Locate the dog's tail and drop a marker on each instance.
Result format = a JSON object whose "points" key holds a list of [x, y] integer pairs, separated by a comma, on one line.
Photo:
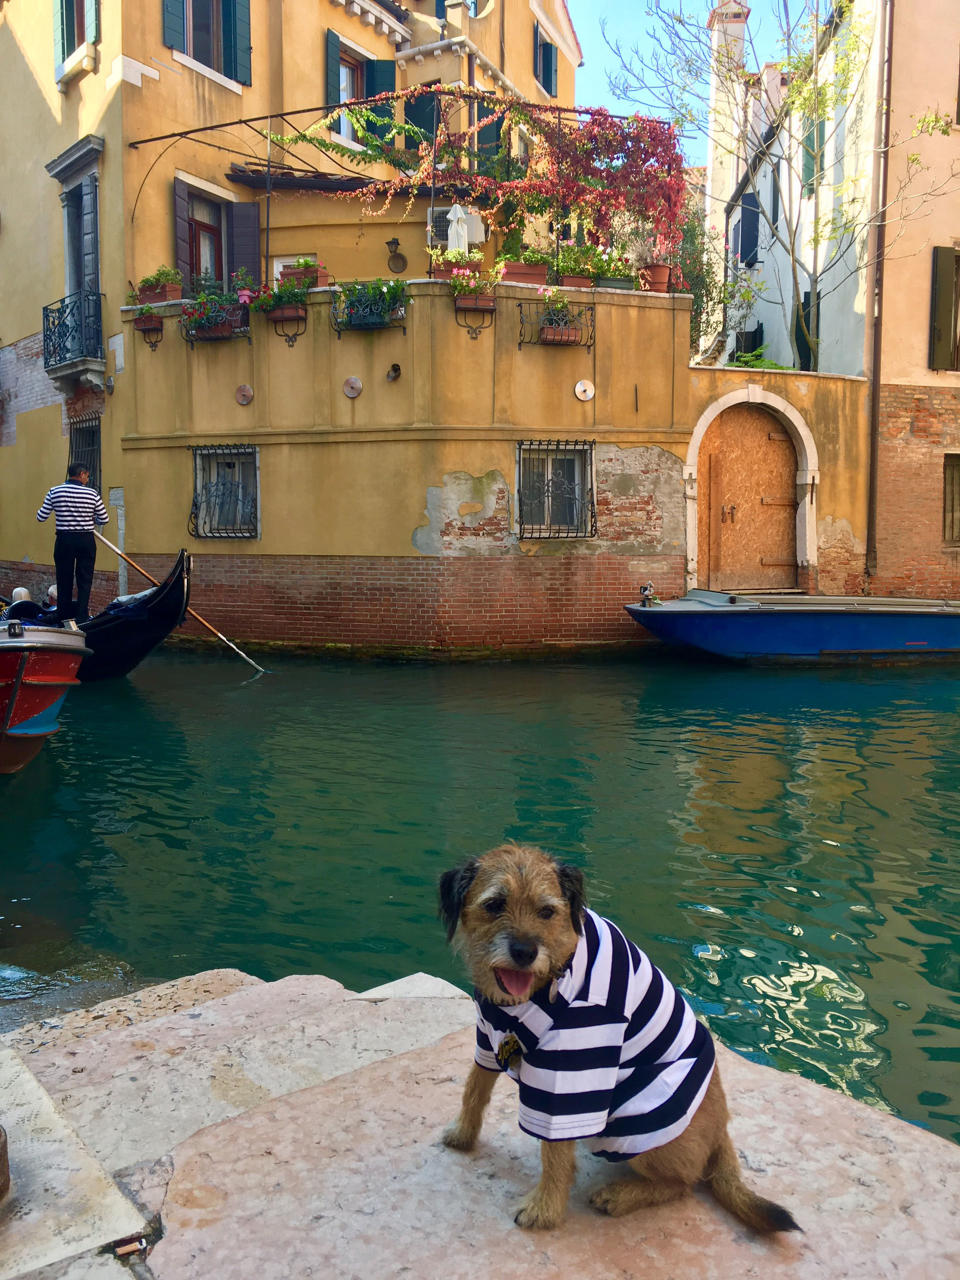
{"points": [[724, 1181]]}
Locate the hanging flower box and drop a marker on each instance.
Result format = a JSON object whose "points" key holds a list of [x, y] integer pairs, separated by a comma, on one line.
{"points": [[306, 277], [577, 282], [148, 324], [212, 318], [560, 335], [524, 272], [615, 282], [290, 311], [475, 302]]}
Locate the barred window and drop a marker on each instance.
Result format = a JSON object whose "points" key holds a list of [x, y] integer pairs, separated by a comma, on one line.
{"points": [[556, 489], [85, 446], [226, 491], [951, 497]]}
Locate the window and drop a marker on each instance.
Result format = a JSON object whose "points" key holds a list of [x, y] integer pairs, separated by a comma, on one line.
{"points": [[226, 492], [215, 33], [204, 226], [75, 23], [775, 196], [945, 310], [351, 75], [814, 136], [556, 489], [749, 228], [85, 446], [214, 237], [544, 61], [951, 497]]}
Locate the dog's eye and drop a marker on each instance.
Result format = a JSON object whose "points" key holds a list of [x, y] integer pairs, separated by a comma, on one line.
{"points": [[494, 906], [547, 913]]}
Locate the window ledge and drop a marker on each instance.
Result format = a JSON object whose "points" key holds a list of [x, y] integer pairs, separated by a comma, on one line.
{"points": [[203, 70], [82, 60]]}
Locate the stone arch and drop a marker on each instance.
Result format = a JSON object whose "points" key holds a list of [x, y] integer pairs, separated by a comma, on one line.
{"points": [[808, 472]]}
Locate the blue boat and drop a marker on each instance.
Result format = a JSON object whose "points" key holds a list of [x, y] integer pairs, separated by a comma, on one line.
{"points": [[788, 628]]}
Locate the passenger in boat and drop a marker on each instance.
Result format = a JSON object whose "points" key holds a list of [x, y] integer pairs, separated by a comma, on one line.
{"points": [[78, 510]]}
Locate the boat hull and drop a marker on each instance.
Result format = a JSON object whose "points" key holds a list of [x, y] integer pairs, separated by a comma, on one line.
{"points": [[130, 628], [806, 629], [38, 666]]}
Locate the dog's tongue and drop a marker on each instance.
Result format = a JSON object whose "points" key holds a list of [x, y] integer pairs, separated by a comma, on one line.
{"points": [[517, 983]]}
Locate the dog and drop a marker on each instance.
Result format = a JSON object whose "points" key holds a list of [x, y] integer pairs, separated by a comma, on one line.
{"points": [[601, 1045]]}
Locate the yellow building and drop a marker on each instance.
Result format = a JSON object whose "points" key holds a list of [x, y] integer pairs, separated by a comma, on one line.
{"points": [[444, 479]]}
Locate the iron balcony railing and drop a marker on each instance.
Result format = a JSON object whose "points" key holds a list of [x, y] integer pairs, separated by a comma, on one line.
{"points": [[72, 329]]}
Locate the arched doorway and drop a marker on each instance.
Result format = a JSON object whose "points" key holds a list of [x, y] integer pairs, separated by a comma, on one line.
{"points": [[751, 479]]}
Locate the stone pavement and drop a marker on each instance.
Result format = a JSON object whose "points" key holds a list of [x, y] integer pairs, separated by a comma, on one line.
{"points": [[273, 1131]]}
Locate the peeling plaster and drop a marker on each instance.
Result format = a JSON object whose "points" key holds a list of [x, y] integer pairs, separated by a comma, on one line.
{"points": [[466, 515]]}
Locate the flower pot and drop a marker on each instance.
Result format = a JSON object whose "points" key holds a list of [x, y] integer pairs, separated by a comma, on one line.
{"points": [[577, 282], [245, 295], [214, 332], [148, 324], [289, 311], [524, 273], [475, 302], [657, 277], [305, 277], [615, 282], [159, 293], [438, 272], [566, 335]]}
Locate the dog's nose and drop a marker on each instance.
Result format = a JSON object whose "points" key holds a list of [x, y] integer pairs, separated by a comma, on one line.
{"points": [[522, 953]]}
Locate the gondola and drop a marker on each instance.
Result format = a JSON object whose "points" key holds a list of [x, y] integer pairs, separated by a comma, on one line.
{"points": [[130, 627]]}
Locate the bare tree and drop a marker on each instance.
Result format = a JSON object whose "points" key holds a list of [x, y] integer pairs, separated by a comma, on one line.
{"points": [[796, 141]]}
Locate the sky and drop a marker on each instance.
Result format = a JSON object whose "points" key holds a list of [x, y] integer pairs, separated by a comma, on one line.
{"points": [[627, 22]]}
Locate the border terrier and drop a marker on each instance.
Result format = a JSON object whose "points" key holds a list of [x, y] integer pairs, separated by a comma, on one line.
{"points": [[602, 1046]]}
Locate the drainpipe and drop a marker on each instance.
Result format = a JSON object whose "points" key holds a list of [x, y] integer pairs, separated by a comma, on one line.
{"points": [[877, 334]]}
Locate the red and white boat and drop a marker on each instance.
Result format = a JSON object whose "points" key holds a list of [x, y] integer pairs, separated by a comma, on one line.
{"points": [[38, 666]]}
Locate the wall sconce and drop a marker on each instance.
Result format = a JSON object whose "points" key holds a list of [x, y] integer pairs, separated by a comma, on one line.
{"points": [[396, 261]]}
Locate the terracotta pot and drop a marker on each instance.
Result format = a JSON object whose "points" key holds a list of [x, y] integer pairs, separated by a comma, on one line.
{"points": [[159, 293], [289, 311], [441, 273], [567, 335], [475, 302], [577, 282], [245, 295], [306, 277], [615, 282], [213, 332], [657, 277], [524, 273], [147, 324]]}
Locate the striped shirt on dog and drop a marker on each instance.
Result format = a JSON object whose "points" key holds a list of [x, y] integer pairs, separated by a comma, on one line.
{"points": [[617, 1057], [77, 508]]}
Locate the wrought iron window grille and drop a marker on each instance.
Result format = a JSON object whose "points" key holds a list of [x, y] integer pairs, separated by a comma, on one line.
{"points": [[72, 329], [555, 496], [226, 492], [544, 324], [367, 313], [85, 445]]}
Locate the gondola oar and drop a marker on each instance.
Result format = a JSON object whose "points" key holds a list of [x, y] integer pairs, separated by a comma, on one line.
{"points": [[193, 614]]}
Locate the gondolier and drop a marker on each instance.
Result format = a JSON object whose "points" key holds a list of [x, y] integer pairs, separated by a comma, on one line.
{"points": [[79, 510]]}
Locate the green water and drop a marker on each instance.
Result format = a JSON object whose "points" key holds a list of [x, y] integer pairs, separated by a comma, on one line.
{"points": [[784, 845]]}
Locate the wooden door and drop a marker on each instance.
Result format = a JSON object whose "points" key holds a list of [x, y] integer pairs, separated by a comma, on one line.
{"points": [[746, 503]]}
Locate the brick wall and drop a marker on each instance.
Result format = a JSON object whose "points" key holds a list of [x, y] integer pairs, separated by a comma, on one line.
{"points": [[24, 384], [918, 425]]}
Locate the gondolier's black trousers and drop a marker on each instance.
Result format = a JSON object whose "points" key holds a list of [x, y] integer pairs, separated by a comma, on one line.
{"points": [[74, 554]]}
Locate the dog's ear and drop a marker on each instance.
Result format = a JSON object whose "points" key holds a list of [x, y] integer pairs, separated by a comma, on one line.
{"points": [[571, 886], [454, 886]]}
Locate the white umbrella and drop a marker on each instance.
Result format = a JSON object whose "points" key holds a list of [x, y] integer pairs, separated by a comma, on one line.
{"points": [[457, 230]]}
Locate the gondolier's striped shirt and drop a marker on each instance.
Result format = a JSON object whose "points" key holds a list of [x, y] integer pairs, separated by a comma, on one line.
{"points": [[617, 1057], [77, 507]]}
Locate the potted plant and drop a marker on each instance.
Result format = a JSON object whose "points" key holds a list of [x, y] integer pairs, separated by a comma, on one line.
{"points": [[306, 271], [578, 264], [243, 286], [164, 285], [559, 327], [370, 304], [472, 289], [530, 268], [614, 270], [147, 322], [288, 301], [443, 261], [211, 316]]}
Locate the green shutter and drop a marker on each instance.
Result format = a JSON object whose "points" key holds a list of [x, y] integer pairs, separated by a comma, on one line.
{"points": [[175, 24], [488, 135], [420, 113], [814, 140], [380, 76], [59, 33], [943, 310], [549, 55], [537, 63], [333, 74], [91, 18], [236, 40]]}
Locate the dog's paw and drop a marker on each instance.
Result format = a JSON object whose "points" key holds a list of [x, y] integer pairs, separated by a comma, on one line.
{"points": [[457, 1138], [537, 1214], [614, 1199]]}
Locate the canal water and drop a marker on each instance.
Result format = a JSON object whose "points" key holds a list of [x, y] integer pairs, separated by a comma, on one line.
{"points": [[785, 845]]}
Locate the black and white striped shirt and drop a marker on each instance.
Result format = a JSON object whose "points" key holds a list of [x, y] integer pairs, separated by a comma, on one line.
{"points": [[616, 1057], [77, 508]]}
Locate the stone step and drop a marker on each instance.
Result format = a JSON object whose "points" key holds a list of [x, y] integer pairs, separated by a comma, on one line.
{"points": [[61, 1203], [135, 1089], [349, 1179]]}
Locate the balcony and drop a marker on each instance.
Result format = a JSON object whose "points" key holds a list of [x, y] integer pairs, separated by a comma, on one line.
{"points": [[73, 341]]}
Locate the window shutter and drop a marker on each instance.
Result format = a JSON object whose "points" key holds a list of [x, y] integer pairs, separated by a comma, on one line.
{"points": [[380, 76], [488, 135], [549, 56], [236, 40], [89, 234], [333, 74], [175, 24], [441, 9], [814, 140], [91, 19], [775, 195], [537, 64], [735, 238], [420, 113], [181, 233], [243, 238], [803, 347], [749, 228], [59, 33], [943, 309]]}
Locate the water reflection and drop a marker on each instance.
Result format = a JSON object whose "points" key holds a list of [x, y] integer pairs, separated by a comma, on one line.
{"points": [[785, 844]]}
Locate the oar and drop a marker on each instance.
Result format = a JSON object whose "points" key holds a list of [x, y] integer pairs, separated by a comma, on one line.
{"points": [[193, 614]]}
